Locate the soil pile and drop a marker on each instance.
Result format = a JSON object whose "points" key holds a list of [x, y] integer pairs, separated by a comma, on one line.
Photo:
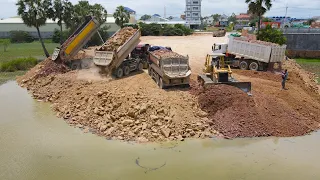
{"points": [[118, 39], [256, 41], [44, 69], [259, 74], [235, 114], [136, 112], [164, 53]]}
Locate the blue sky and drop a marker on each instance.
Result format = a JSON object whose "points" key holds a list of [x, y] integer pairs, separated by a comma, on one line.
{"points": [[296, 8]]}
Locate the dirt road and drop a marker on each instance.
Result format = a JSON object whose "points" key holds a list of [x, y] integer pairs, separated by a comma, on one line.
{"points": [[134, 108]]}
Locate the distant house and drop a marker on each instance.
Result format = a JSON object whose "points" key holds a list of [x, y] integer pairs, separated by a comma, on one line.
{"points": [[223, 20], [243, 18], [130, 10]]}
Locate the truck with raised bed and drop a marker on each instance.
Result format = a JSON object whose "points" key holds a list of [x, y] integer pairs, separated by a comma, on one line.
{"points": [[119, 62], [68, 51], [168, 68], [251, 54]]}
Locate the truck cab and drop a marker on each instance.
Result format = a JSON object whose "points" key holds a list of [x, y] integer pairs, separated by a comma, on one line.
{"points": [[220, 48]]}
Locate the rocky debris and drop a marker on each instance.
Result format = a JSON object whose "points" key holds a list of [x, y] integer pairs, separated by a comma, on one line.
{"points": [[118, 39], [143, 114], [165, 54], [256, 41]]}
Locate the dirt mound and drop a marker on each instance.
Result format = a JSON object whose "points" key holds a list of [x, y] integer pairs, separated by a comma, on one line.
{"points": [[259, 74], [43, 69], [118, 39], [235, 114], [136, 112]]}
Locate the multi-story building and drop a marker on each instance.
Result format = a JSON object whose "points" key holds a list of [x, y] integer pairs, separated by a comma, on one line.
{"points": [[193, 13]]}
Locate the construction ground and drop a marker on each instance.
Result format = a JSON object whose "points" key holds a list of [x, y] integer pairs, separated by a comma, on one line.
{"points": [[136, 109]]}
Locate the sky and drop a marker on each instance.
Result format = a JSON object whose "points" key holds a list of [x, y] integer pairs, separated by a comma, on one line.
{"points": [[296, 8]]}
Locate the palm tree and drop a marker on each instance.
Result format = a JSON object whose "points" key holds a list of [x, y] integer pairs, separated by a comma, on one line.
{"points": [[259, 8], [121, 15], [34, 13], [62, 11]]}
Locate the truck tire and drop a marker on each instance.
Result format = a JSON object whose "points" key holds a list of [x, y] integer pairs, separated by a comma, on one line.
{"points": [[140, 66], [126, 70], [254, 66], [119, 73], [76, 65], [149, 71], [243, 65]]}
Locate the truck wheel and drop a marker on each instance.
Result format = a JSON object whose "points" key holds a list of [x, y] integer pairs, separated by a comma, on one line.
{"points": [[75, 65], [119, 73], [140, 66], [254, 66], [126, 70], [243, 65]]}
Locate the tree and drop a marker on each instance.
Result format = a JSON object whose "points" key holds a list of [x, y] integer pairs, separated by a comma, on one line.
{"points": [[310, 21], [232, 18], [34, 13], [216, 17], [62, 11], [145, 17], [121, 15], [273, 35], [83, 9], [258, 8], [170, 17]]}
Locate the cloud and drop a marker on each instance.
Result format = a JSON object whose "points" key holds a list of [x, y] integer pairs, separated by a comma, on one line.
{"points": [[297, 8]]}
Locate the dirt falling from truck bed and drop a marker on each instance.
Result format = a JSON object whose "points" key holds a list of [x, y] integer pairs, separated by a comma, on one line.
{"points": [[235, 114]]}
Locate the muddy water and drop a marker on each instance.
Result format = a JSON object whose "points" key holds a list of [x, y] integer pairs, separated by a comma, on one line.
{"points": [[35, 145]]}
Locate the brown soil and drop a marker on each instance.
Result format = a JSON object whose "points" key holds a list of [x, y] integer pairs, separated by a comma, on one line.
{"points": [[123, 109], [235, 114], [164, 53], [118, 40]]}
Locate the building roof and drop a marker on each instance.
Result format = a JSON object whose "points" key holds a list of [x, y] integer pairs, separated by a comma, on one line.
{"points": [[243, 16], [166, 22], [129, 10], [18, 20], [156, 15]]}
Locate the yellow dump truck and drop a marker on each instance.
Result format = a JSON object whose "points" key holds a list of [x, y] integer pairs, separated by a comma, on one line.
{"points": [[76, 41]]}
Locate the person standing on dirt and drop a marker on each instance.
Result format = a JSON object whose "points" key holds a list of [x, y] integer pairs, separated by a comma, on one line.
{"points": [[284, 79]]}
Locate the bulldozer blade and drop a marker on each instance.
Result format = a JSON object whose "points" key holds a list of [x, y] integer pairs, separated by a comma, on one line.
{"points": [[244, 86]]}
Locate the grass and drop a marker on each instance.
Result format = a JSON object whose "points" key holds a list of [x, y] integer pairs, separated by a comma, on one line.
{"points": [[7, 76], [312, 65], [33, 49], [18, 64]]}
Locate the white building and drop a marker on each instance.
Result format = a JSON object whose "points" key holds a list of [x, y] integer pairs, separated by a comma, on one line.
{"points": [[193, 13]]}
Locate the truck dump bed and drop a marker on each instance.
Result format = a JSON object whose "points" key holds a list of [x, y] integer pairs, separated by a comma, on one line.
{"points": [[77, 40], [113, 59], [258, 50], [172, 64]]}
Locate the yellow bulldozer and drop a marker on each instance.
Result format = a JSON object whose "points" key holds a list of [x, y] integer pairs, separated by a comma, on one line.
{"points": [[217, 71]]}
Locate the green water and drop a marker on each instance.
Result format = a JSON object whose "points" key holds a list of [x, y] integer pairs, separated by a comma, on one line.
{"points": [[35, 145]]}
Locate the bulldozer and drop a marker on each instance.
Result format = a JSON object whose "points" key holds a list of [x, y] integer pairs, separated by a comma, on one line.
{"points": [[217, 71]]}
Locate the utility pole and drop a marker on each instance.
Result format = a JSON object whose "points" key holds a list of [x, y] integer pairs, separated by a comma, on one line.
{"points": [[165, 14], [285, 16]]}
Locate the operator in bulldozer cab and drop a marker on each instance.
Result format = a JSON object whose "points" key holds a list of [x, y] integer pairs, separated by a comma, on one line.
{"points": [[215, 62]]}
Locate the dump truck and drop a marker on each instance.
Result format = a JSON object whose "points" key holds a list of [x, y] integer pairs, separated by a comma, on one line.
{"points": [[67, 52], [118, 62], [215, 72], [168, 68], [251, 54]]}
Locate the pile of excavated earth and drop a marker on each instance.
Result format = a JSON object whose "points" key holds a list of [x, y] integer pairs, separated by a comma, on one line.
{"points": [[118, 39]]}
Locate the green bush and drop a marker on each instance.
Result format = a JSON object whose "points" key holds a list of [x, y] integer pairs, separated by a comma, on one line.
{"points": [[56, 35], [18, 64], [165, 30], [270, 34], [5, 43], [20, 37]]}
